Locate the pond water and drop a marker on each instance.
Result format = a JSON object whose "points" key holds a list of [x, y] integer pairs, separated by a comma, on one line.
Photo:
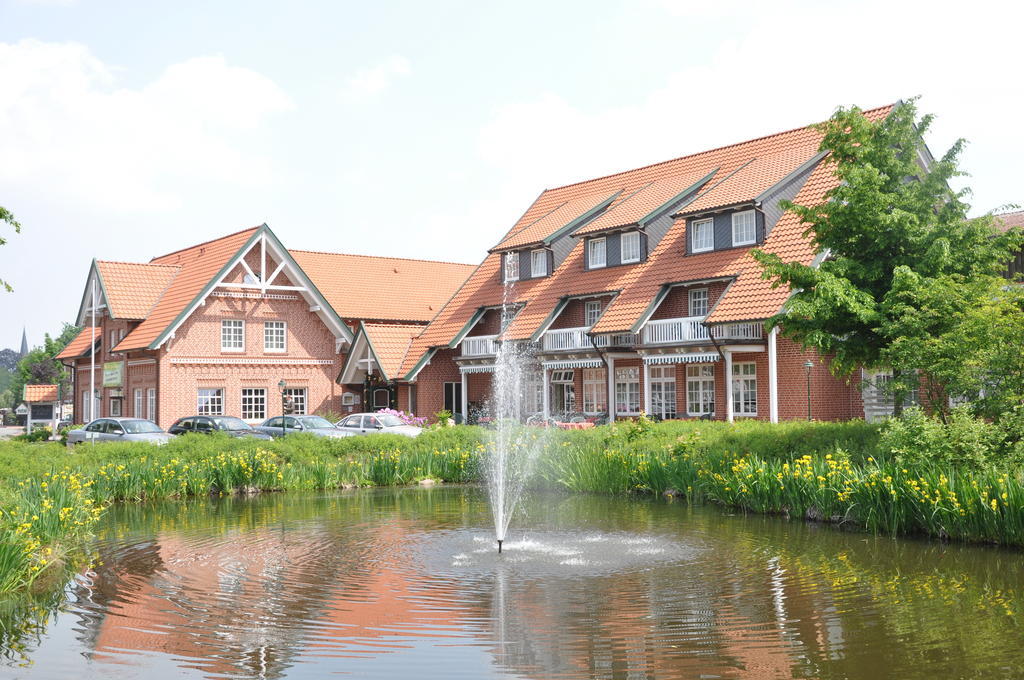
{"points": [[407, 584]]}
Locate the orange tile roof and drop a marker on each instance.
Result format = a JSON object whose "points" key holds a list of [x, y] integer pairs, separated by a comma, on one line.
{"points": [[390, 344], [366, 287], [1008, 221], [38, 393], [638, 205], [79, 344], [535, 231], [198, 265], [132, 288], [752, 178], [743, 172]]}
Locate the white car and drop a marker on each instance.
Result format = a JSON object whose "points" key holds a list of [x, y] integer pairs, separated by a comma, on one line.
{"points": [[376, 423], [119, 430]]}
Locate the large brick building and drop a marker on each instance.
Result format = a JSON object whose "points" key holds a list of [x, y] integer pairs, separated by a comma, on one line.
{"points": [[216, 327], [638, 292], [632, 292]]}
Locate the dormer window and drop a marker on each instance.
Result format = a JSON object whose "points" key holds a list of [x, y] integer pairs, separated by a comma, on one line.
{"points": [[703, 235], [596, 253], [630, 247], [744, 229], [511, 267], [591, 312], [538, 263]]}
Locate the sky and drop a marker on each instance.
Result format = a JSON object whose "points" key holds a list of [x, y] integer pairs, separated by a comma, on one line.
{"points": [[415, 129]]}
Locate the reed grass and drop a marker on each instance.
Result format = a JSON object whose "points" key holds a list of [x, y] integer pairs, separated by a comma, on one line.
{"points": [[51, 497]]}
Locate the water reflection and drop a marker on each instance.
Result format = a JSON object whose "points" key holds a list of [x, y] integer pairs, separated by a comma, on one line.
{"points": [[405, 583]]}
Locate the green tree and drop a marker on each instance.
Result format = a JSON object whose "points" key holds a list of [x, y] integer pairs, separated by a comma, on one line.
{"points": [[977, 356], [39, 366], [7, 217], [891, 217]]}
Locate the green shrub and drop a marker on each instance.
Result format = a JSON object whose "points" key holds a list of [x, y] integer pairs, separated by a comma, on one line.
{"points": [[964, 441], [38, 434]]}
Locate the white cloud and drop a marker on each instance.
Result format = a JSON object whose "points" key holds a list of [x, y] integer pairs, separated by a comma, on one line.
{"points": [[370, 82], [67, 124], [790, 68]]}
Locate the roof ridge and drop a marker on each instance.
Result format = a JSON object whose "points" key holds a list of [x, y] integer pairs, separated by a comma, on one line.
{"points": [[380, 257], [142, 264], [203, 243], [702, 153]]}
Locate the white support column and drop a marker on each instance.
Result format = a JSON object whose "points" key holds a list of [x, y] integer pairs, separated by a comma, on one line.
{"points": [[546, 396], [92, 357], [728, 384], [465, 398], [773, 376], [611, 389], [647, 388]]}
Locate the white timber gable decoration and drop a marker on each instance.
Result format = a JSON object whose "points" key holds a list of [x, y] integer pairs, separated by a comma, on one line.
{"points": [[274, 260]]}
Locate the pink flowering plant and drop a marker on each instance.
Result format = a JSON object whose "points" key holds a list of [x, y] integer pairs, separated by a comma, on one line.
{"points": [[407, 418]]}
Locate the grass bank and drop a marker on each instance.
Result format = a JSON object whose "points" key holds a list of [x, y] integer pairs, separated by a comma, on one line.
{"points": [[50, 498]]}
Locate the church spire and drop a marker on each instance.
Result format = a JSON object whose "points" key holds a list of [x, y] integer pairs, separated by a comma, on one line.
{"points": [[24, 342]]}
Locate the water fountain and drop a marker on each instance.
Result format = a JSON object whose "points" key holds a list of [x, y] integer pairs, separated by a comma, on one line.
{"points": [[513, 450]]}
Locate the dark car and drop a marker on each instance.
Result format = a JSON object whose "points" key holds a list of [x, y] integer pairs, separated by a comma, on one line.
{"points": [[229, 425], [280, 426]]}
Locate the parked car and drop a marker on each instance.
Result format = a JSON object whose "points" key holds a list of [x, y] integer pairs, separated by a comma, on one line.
{"points": [[229, 425], [280, 426], [120, 430], [376, 423]]}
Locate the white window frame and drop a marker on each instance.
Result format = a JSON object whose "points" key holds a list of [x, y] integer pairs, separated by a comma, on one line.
{"points": [[540, 256], [698, 244], [151, 404], [113, 340], [115, 407], [210, 404], [664, 402], [270, 328], [511, 266], [634, 239], [592, 262], [744, 386], [591, 312], [227, 332], [595, 391], [700, 384], [752, 227], [254, 403], [138, 413], [695, 295], [299, 399], [627, 391]]}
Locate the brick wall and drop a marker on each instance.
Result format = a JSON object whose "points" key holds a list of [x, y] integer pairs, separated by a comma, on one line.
{"points": [[676, 304], [831, 398], [430, 382], [489, 323], [573, 316], [194, 360]]}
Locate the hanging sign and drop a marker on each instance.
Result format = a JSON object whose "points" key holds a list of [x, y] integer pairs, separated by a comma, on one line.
{"points": [[113, 374]]}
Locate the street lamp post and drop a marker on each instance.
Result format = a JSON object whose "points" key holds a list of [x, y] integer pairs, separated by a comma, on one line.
{"points": [[808, 365], [281, 385]]}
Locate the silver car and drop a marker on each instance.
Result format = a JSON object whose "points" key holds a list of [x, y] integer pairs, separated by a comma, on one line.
{"points": [[120, 430], [280, 426], [377, 423]]}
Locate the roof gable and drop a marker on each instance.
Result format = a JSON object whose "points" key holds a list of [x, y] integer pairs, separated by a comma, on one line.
{"points": [[380, 346]]}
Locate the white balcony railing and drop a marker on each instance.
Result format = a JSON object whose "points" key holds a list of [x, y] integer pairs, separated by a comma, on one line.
{"points": [[564, 339], [692, 329], [479, 346]]}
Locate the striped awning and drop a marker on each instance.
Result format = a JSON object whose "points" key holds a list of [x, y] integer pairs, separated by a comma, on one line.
{"points": [[487, 368], [573, 363], [690, 358]]}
